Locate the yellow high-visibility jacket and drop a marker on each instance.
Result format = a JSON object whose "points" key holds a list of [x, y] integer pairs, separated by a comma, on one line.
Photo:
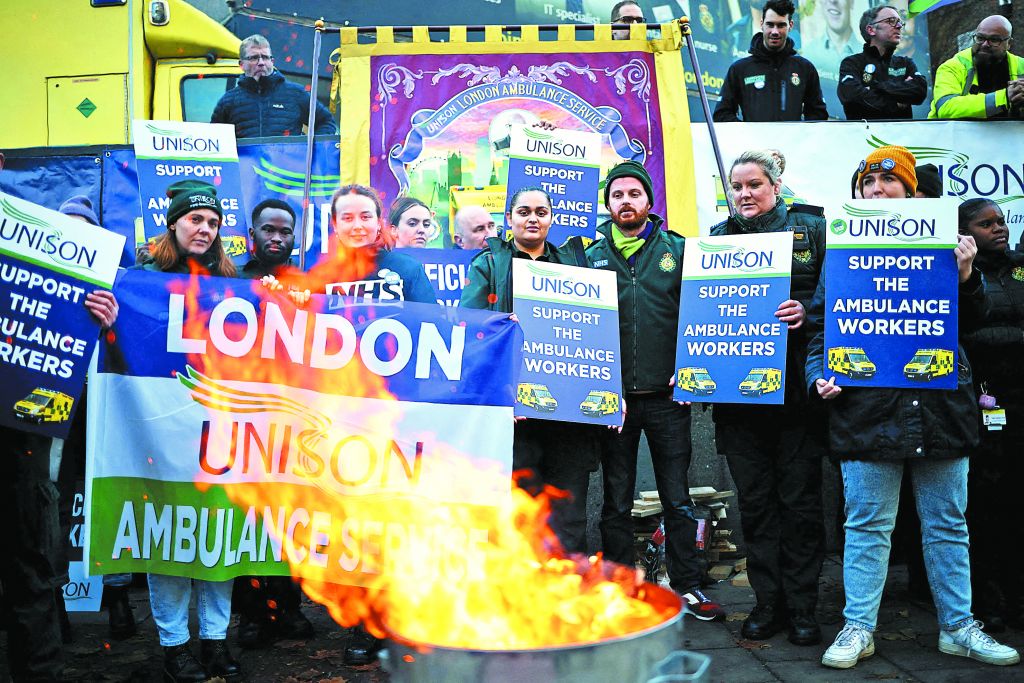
{"points": [[952, 98]]}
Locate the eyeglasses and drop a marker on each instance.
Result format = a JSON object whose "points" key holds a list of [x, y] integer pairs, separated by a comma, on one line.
{"points": [[629, 20], [895, 22], [254, 59], [995, 41]]}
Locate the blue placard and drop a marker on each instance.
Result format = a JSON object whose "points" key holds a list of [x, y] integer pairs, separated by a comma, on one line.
{"points": [[891, 294], [446, 269], [730, 347], [570, 321], [566, 164]]}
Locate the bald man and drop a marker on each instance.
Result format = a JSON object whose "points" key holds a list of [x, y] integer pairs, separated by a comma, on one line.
{"points": [[473, 225], [985, 81]]}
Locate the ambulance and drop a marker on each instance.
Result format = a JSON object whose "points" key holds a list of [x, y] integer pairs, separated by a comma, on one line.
{"points": [[44, 405], [598, 403], [536, 396], [927, 364], [761, 381], [850, 361], [696, 381]]}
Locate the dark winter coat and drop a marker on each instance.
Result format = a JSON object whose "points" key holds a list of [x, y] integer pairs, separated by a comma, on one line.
{"points": [[873, 86], [269, 106]]}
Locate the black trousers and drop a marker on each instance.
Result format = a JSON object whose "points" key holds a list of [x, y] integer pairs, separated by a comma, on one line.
{"points": [[265, 598], [561, 455], [667, 426], [775, 462]]}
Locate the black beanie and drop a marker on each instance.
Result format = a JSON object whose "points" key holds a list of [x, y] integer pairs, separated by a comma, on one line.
{"points": [[928, 182], [189, 195], [629, 169]]}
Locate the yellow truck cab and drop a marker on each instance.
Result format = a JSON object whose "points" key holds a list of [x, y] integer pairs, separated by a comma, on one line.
{"points": [[927, 364], [599, 403], [761, 381], [850, 361], [76, 72], [536, 396], [44, 405], [696, 381]]}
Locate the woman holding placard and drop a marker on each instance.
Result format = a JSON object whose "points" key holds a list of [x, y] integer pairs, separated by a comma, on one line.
{"points": [[876, 433], [774, 452], [545, 452]]}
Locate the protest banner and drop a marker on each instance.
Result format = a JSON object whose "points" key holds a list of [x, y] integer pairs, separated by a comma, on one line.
{"points": [[81, 593], [567, 165], [891, 288], [570, 320], [731, 348], [169, 151], [446, 269], [49, 262], [251, 434]]}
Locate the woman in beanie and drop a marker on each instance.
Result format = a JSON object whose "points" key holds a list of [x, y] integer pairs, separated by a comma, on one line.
{"points": [[192, 244], [876, 434], [775, 452], [192, 240]]}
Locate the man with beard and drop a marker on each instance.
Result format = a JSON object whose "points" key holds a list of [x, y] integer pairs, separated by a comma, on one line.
{"points": [[876, 84], [272, 236], [773, 83], [647, 261], [984, 81]]}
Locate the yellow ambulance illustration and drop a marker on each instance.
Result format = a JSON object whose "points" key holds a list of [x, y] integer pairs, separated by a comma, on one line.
{"points": [[761, 381], [536, 396], [696, 381], [927, 364], [44, 405], [850, 361], [599, 403]]}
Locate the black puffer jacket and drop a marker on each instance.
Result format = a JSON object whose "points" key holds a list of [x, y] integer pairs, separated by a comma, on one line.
{"points": [[898, 424], [771, 86], [807, 223], [269, 106]]}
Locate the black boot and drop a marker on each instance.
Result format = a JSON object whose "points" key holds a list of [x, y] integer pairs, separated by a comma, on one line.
{"points": [[803, 628], [180, 666], [119, 611], [254, 634], [217, 659], [293, 625], [763, 623], [362, 648]]}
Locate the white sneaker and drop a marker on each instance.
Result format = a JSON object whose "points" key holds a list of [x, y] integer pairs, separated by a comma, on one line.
{"points": [[852, 645], [971, 641]]}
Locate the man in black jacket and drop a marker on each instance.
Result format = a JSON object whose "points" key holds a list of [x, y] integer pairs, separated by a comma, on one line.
{"points": [[875, 84], [272, 236], [264, 103], [773, 83]]}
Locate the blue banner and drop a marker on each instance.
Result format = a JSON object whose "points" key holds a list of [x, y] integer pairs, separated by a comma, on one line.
{"points": [[446, 269]]}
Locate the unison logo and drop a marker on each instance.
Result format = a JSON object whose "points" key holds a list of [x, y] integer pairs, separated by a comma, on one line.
{"points": [[164, 140], [283, 181], [547, 282], [881, 223], [541, 143], [23, 231], [733, 257]]}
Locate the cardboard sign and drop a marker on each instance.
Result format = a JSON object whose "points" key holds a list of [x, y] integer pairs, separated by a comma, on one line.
{"points": [[81, 593], [891, 294], [49, 262], [730, 347], [570, 320]]}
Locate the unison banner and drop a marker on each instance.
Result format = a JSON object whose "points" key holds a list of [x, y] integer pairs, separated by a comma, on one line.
{"points": [[730, 347], [230, 432], [49, 262], [891, 288]]}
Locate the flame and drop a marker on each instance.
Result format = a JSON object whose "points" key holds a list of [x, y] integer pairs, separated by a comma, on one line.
{"points": [[393, 551]]}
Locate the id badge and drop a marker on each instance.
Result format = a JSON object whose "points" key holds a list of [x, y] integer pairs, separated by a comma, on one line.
{"points": [[994, 419]]}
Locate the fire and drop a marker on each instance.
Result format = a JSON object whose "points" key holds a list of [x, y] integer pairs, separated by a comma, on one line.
{"points": [[405, 535]]}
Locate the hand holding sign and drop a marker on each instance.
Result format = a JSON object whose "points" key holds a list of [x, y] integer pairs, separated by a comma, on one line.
{"points": [[828, 390], [103, 306], [966, 249], [792, 313]]}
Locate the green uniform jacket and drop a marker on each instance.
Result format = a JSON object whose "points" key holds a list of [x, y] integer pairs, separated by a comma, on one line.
{"points": [[648, 305], [952, 98], [489, 283]]}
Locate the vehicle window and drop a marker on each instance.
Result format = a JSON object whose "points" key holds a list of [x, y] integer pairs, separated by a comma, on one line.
{"points": [[200, 93]]}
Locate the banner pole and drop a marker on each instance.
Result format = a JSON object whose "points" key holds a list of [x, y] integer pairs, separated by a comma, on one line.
{"points": [[310, 126], [684, 24]]}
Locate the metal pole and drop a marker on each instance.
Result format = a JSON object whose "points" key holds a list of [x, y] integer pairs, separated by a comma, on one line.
{"points": [[310, 126], [684, 23]]}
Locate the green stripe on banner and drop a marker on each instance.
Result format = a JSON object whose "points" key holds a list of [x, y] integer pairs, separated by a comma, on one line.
{"points": [[567, 302], [890, 246], [736, 276], [55, 268]]}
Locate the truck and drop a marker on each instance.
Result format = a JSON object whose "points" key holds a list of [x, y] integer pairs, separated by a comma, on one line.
{"points": [[599, 403], [927, 364], [850, 361], [761, 381], [44, 405], [77, 72], [696, 381], [536, 396]]}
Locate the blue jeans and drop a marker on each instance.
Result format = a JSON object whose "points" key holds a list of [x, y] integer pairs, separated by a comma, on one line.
{"points": [[872, 497], [169, 597]]}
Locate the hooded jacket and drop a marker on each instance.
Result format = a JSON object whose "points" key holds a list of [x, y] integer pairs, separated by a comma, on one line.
{"points": [[269, 106], [875, 86], [771, 86], [648, 304]]}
